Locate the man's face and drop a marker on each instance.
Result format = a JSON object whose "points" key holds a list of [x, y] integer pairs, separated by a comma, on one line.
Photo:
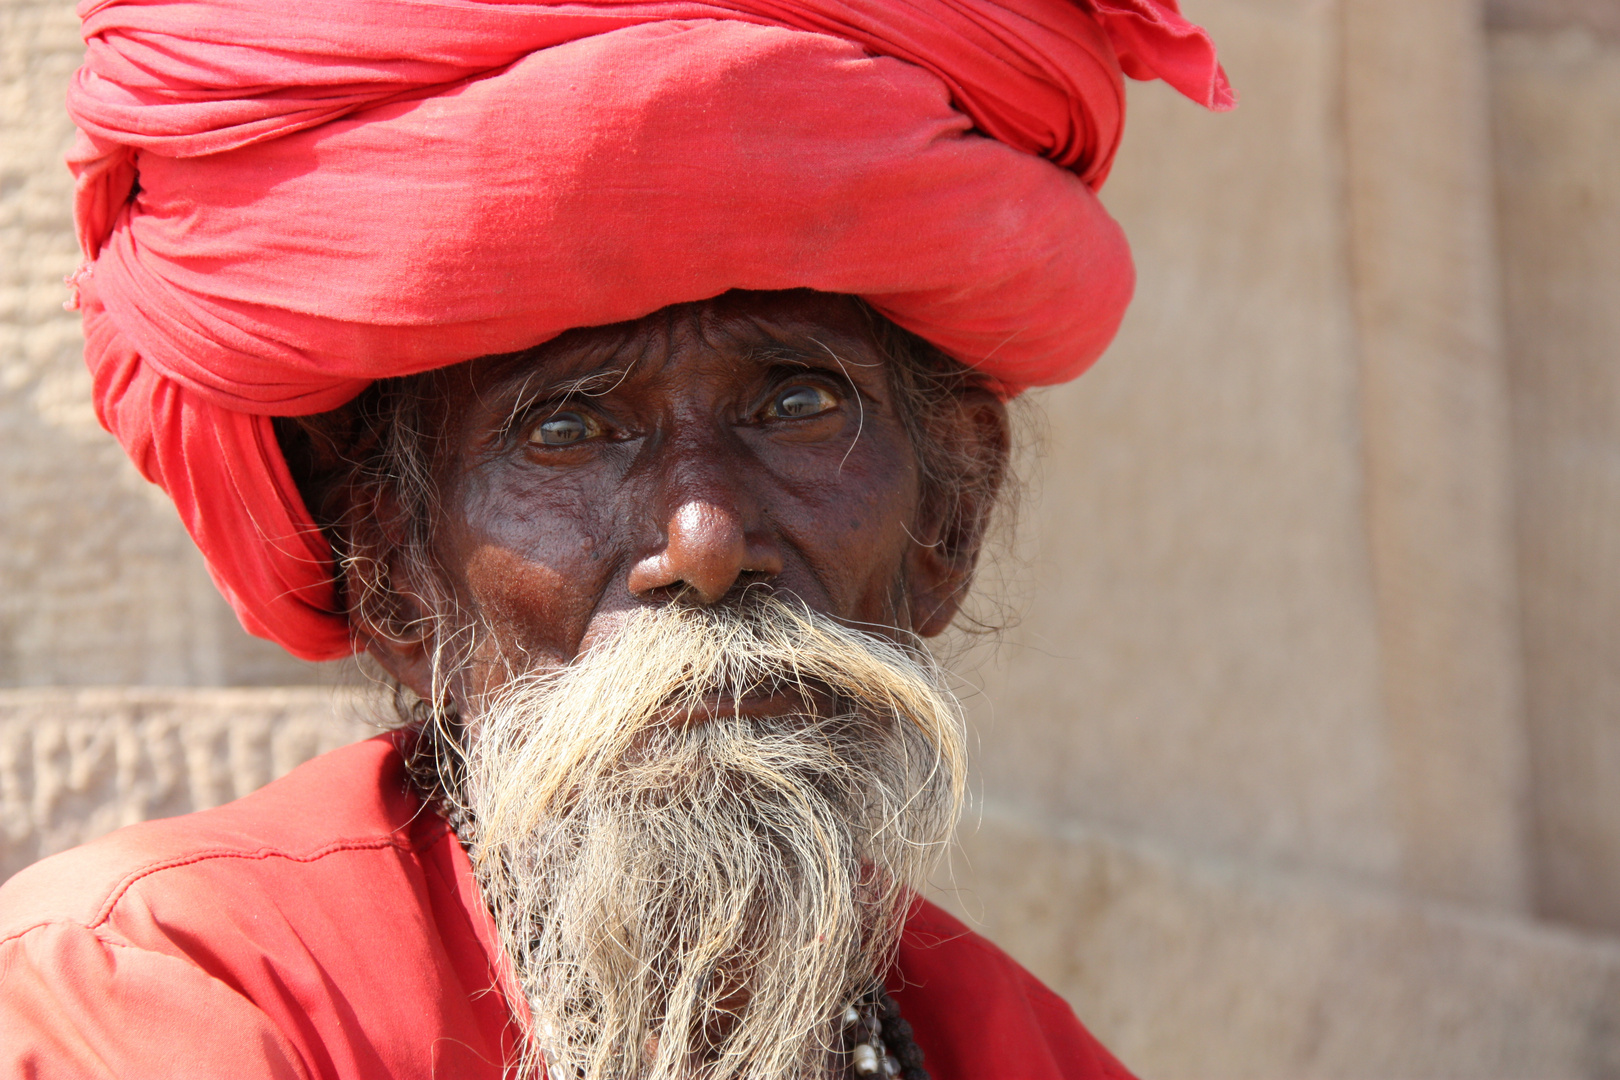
{"points": [[750, 440], [677, 566]]}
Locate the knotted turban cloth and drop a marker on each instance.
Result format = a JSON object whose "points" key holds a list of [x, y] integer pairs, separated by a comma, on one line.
{"points": [[280, 201]]}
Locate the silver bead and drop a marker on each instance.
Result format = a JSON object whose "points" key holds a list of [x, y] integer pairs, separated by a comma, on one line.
{"points": [[891, 1067], [876, 1025], [866, 1060]]}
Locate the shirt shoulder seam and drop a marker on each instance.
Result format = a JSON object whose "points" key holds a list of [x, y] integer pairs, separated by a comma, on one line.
{"points": [[130, 880]]}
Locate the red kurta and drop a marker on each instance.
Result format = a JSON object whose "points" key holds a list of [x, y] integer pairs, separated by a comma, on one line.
{"points": [[329, 926]]}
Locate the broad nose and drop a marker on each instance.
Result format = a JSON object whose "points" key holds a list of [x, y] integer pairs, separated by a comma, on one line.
{"points": [[709, 547]]}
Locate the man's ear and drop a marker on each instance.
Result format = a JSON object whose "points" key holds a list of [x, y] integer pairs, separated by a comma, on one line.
{"points": [[407, 657], [953, 520], [388, 609]]}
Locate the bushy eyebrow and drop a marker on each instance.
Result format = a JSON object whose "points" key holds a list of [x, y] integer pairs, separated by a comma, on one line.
{"points": [[814, 353], [536, 389]]}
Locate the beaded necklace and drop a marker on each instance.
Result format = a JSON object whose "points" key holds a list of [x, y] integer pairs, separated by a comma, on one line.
{"points": [[878, 1040]]}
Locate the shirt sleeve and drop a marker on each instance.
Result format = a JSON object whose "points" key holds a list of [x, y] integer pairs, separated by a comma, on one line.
{"points": [[77, 1004]]}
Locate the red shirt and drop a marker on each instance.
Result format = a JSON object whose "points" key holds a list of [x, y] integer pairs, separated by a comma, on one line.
{"points": [[329, 925]]}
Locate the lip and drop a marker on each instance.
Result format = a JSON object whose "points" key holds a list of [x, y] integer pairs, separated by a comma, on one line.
{"points": [[763, 705]]}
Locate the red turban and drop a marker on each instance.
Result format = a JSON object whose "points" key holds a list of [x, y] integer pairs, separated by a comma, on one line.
{"points": [[280, 202]]}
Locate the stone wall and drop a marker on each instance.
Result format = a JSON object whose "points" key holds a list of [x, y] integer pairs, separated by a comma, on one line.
{"points": [[75, 764], [1277, 613], [1299, 754], [98, 581], [1209, 968], [1556, 95]]}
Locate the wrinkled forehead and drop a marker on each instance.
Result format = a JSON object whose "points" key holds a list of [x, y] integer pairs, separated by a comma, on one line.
{"points": [[739, 324]]}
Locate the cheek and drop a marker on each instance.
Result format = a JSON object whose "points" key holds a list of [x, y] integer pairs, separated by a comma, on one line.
{"points": [[851, 523], [533, 562]]}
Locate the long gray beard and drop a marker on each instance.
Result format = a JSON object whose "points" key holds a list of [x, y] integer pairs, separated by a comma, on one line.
{"points": [[703, 898]]}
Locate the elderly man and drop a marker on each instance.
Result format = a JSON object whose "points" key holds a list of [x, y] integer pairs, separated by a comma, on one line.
{"points": [[628, 381]]}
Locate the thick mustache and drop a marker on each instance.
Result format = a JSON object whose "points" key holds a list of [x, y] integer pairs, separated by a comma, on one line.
{"points": [[771, 700]]}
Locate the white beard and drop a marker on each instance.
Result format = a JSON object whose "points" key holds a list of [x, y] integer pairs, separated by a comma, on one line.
{"points": [[704, 898]]}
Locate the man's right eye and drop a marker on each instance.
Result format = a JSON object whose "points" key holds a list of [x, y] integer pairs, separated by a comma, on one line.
{"points": [[564, 429]]}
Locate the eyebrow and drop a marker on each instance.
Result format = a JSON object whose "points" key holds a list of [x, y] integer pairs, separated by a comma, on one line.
{"points": [[537, 386], [533, 382], [816, 355]]}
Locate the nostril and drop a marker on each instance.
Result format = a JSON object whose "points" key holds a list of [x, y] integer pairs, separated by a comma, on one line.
{"points": [[677, 592], [683, 592], [704, 554], [707, 554], [686, 592]]}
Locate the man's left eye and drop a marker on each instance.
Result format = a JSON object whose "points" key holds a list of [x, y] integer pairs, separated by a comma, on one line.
{"points": [[799, 401], [563, 429]]}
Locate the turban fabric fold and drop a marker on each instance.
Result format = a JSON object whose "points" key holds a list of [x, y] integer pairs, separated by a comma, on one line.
{"points": [[280, 202]]}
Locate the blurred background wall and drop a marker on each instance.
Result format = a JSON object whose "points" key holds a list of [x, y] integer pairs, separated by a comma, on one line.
{"points": [[1302, 757]]}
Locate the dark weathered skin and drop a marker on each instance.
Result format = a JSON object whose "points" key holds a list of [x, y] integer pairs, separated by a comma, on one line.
{"points": [[690, 481]]}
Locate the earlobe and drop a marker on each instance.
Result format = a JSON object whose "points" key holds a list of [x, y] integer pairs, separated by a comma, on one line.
{"points": [[394, 619], [391, 619], [938, 586], [408, 658]]}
